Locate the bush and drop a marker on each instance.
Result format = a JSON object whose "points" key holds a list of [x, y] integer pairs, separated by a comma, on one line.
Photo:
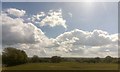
{"points": [[56, 59], [12, 56]]}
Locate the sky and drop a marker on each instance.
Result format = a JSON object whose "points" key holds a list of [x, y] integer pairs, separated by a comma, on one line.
{"points": [[70, 29], [87, 16]]}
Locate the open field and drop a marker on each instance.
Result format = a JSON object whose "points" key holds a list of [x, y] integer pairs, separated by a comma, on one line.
{"points": [[64, 66]]}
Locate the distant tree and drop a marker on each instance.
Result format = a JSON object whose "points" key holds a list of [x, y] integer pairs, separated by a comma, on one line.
{"points": [[108, 59], [119, 60], [97, 60], [35, 59], [55, 59], [0, 59], [12, 56], [115, 60]]}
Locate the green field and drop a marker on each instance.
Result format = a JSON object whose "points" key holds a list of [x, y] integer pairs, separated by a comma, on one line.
{"points": [[64, 66]]}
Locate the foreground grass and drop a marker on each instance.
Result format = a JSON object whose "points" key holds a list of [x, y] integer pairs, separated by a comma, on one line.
{"points": [[64, 66]]}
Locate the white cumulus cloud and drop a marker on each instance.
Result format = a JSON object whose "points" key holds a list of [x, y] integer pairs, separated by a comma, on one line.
{"points": [[54, 18], [95, 38], [16, 31], [16, 12], [37, 17], [88, 44]]}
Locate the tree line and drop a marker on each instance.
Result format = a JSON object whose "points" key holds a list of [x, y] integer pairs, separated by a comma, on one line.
{"points": [[13, 56]]}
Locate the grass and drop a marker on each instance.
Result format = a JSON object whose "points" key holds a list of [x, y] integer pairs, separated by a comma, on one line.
{"points": [[64, 66]]}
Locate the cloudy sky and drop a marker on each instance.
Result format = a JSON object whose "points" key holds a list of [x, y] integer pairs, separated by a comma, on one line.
{"points": [[68, 29]]}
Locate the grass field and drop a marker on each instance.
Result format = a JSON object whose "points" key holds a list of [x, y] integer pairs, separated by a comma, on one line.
{"points": [[64, 66]]}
